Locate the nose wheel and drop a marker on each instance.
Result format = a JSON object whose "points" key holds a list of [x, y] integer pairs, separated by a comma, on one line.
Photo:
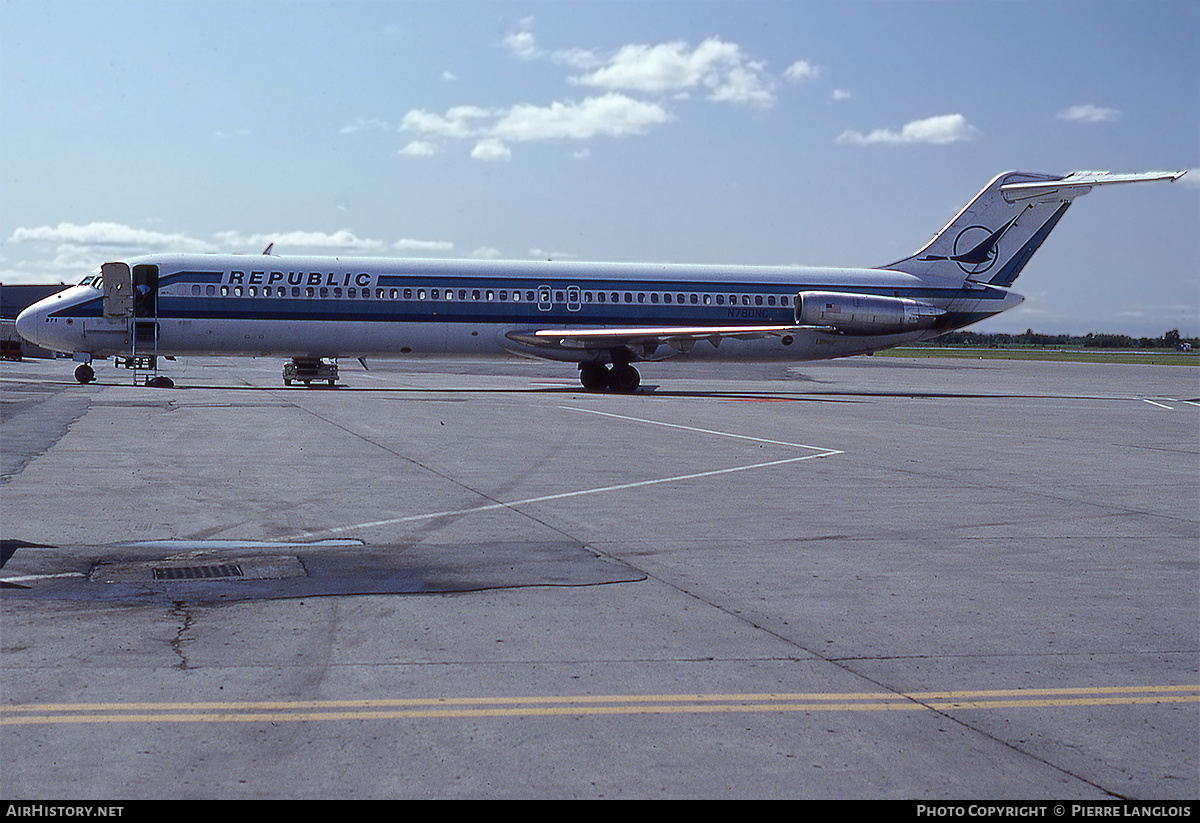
{"points": [[622, 377], [84, 373]]}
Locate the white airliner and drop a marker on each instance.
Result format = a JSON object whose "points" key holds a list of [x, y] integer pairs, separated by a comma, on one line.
{"points": [[602, 316]]}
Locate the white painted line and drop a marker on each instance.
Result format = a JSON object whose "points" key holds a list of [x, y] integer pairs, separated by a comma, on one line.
{"points": [[564, 495], [29, 577], [819, 452], [1160, 405], [704, 431]]}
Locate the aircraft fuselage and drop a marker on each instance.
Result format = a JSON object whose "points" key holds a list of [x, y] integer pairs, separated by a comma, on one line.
{"points": [[367, 307]]}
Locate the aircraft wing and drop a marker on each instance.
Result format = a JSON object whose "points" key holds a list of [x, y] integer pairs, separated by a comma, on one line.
{"points": [[680, 338], [1077, 183]]}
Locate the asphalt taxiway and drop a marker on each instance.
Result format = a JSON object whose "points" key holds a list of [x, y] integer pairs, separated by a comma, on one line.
{"points": [[878, 577]]}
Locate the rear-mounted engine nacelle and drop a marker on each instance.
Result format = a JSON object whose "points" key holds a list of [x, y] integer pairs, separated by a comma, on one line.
{"points": [[864, 313]]}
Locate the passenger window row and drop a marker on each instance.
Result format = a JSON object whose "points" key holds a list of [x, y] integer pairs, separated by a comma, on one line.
{"points": [[541, 296]]}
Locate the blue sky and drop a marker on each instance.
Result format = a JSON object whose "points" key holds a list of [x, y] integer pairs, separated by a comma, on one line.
{"points": [[820, 133]]}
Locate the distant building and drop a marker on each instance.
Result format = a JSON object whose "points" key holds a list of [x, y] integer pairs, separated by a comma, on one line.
{"points": [[12, 300]]}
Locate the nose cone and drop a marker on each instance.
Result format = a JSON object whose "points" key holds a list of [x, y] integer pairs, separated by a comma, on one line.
{"points": [[28, 322]]}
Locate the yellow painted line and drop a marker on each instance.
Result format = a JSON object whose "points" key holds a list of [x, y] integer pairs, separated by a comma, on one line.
{"points": [[585, 705], [602, 698]]}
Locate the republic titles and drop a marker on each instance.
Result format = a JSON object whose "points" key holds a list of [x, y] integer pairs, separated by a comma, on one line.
{"points": [[297, 278]]}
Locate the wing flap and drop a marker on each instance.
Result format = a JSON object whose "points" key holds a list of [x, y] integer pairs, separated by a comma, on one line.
{"points": [[680, 338]]}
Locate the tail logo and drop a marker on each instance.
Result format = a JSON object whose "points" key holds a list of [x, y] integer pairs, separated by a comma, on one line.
{"points": [[975, 248]]}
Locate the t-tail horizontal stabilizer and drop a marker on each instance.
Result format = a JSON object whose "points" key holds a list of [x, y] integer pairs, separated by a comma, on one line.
{"points": [[1079, 182], [995, 235]]}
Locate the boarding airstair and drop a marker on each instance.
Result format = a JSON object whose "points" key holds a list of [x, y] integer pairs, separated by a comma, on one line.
{"points": [[131, 298]]}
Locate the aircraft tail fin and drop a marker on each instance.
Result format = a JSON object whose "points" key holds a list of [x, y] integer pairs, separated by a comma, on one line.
{"points": [[993, 237]]}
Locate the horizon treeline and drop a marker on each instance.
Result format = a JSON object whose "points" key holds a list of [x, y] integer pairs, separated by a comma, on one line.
{"points": [[1092, 340]]}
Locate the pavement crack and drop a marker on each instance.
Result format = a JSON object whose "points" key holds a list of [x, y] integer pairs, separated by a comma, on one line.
{"points": [[182, 613]]}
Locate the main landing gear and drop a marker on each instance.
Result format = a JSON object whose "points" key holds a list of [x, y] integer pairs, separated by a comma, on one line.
{"points": [[622, 377]]}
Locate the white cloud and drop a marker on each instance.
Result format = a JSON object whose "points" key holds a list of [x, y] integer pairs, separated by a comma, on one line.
{"points": [[78, 249], [490, 149], [456, 123], [419, 148], [673, 67], [744, 84], [840, 95], [944, 128], [364, 123], [800, 71], [576, 58], [611, 115], [343, 240], [542, 254], [720, 69], [522, 44], [408, 244], [486, 253], [109, 235], [1088, 113]]}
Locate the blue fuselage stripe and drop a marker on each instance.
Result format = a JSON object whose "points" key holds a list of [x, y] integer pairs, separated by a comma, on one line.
{"points": [[584, 308]]}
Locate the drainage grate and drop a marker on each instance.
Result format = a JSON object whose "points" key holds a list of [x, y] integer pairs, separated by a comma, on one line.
{"points": [[197, 572], [216, 568]]}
